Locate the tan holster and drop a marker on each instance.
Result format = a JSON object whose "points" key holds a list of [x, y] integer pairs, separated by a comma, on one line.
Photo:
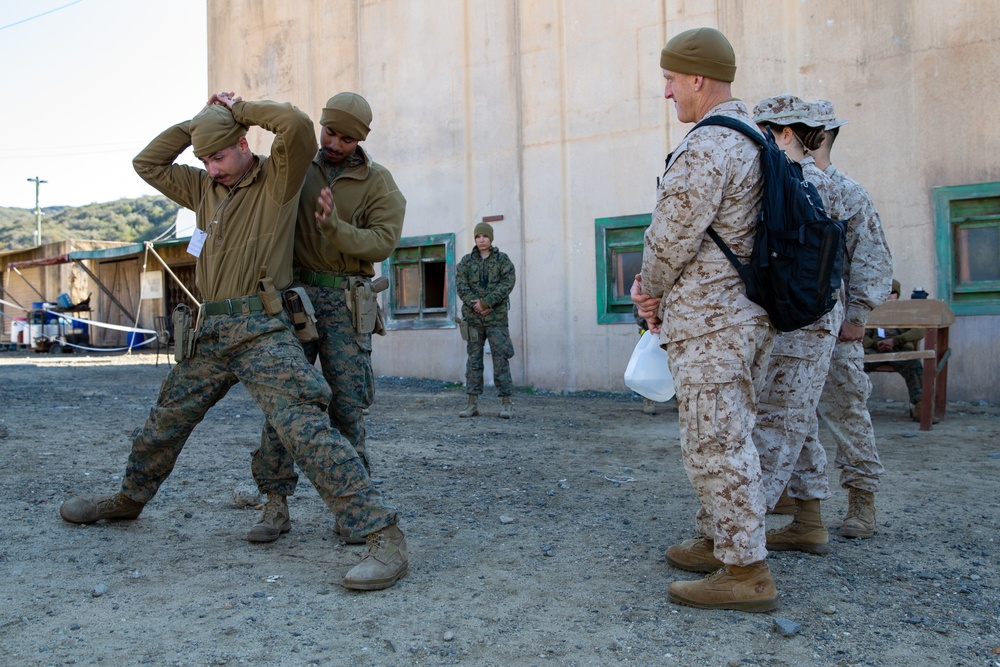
{"points": [[185, 333], [302, 314]]}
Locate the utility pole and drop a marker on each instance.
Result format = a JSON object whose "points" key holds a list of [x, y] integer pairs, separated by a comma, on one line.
{"points": [[38, 211]]}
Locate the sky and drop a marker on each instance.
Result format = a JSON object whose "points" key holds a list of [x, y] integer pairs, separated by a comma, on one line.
{"points": [[86, 85]]}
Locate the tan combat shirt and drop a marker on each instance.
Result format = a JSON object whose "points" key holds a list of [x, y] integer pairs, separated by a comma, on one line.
{"points": [[712, 178], [365, 227], [868, 260], [252, 225]]}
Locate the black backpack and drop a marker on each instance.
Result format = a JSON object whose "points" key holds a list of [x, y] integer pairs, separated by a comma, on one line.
{"points": [[797, 262]]}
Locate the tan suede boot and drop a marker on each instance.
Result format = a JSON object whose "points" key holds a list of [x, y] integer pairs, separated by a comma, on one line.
{"points": [[785, 504], [472, 409], [695, 555], [748, 588], [805, 533], [384, 564], [272, 522], [860, 519], [507, 409], [89, 510]]}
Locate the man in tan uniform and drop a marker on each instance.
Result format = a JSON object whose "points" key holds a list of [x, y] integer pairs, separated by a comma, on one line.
{"points": [[717, 339], [800, 359], [867, 280], [246, 208]]}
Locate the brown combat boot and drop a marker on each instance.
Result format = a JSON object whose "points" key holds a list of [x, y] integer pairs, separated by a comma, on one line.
{"points": [[748, 588], [273, 521], [648, 406], [694, 555], [89, 510], [384, 564], [507, 409], [805, 533], [860, 519], [472, 409], [785, 504], [345, 536]]}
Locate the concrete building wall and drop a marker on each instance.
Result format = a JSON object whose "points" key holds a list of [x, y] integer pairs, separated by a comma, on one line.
{"points": [[550, 113]]}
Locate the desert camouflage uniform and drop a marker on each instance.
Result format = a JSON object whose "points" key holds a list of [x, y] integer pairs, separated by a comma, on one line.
{"points": [[800, 360], [718, 341], [249, 226], [868, 280], [491, 280], [364, 229]]}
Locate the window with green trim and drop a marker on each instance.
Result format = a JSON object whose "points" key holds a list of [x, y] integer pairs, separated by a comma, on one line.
{"points": [[967, 218], [618, 245], [421, 274]]}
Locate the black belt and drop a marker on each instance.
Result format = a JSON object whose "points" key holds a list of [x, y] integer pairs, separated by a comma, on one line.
{"points": [[317, 279], [244, 304]]}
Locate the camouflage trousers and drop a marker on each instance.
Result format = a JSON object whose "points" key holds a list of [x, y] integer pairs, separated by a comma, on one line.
{"points": [[718, 377], [502, 350], [786, 414], [261, 352], [912, 371], [846, 397], [345, 357]]}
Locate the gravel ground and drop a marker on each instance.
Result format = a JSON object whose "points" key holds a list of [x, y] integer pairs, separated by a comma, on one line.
{"points": [[534, 541]]}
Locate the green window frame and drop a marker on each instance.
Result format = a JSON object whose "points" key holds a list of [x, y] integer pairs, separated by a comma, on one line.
{"points": [[967, 222], [618, 246], [421, 273]]}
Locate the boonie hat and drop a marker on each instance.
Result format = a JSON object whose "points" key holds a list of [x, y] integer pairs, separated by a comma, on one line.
{"points": [[784, 109], [821, 111]]}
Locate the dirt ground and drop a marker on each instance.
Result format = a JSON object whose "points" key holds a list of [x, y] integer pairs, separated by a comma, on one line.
{"points": [[534, 541]]}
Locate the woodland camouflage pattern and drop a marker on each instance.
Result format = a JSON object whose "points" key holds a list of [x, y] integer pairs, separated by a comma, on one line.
{"points": [[491, 280], [261, 352]]}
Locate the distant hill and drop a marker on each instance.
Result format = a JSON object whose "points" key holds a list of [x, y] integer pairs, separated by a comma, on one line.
{"points": [[128, 220]]}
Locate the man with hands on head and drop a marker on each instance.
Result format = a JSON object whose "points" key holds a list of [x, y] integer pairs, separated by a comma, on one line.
{"points": [[350, 216], [246, 208]]}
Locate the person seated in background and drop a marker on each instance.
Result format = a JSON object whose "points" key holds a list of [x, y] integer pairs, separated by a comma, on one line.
{"points": [[899, 340]]}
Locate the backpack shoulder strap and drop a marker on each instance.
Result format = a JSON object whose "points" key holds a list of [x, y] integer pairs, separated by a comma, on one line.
{"points": [[732, 124], [742, 128]]}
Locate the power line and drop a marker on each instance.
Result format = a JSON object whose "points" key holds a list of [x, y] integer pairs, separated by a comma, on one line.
{"points": [[32, 18]]}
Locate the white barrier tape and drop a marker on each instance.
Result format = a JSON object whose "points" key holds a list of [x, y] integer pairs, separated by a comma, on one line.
{"points": [[116, 327]]}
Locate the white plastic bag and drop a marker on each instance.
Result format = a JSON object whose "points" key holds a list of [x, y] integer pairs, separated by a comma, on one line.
{"points": [[648, 373]]}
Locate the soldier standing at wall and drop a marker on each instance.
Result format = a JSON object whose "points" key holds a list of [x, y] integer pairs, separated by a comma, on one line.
{"points": [[718, 340], [246, 207], [485, 278], [334, 262]]}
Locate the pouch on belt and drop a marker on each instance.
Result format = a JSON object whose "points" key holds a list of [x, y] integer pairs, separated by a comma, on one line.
{"points": [[184, 332], [302, 313]]}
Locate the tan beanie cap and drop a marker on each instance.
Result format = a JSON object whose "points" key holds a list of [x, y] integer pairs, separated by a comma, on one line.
{"points": [[701, 51], [484, 229], [349, 114], [214, 129]]}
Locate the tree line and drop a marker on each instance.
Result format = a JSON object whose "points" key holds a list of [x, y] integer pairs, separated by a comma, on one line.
{"points": [[128, 220]]}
